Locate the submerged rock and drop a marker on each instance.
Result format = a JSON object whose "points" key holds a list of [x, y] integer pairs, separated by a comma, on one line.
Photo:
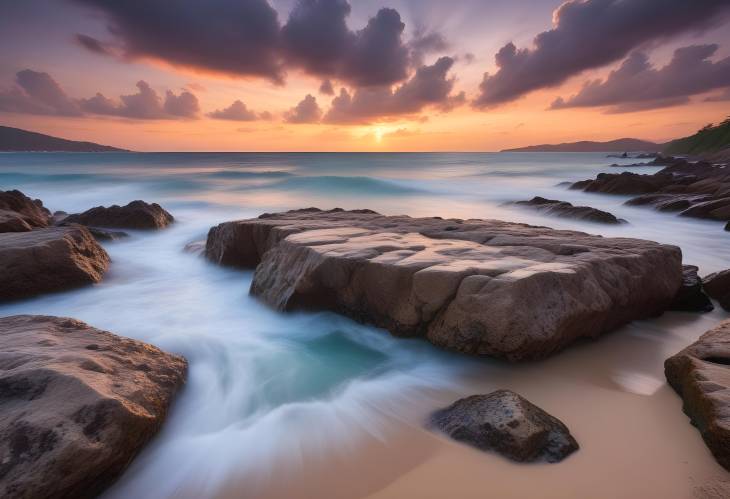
{"points": [[47, 260], [76, 405], [507, 423], [566, 210], [135, 215], [700, 374], [19, 213], [717, 285], [475, 286], [690, 297]]}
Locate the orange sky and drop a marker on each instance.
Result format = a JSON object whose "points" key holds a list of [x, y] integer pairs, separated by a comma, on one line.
{"points": [[522, 122]]}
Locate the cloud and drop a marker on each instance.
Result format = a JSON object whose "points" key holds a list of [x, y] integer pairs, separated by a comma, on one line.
{"points": [[326, 88], [93, 45], [721, 97], [238, 112], [589, 34], [37, 93], [429, 86], [146, 104], [424, 43], [636, 85], [307, 111]]}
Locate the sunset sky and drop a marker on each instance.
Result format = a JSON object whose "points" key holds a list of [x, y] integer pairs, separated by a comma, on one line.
{"points": [[391, 75]]}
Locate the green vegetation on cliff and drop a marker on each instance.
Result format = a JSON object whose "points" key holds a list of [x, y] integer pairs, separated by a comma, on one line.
{"points": [[711, 139]]}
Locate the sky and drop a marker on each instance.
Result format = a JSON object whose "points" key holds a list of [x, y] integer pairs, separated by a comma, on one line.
{"points": [[362, 75]]}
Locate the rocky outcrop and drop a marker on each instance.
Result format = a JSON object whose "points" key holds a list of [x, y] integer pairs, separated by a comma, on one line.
{"points": [[717, 285], [19, 213], [47, 260], [564, 209], [135, 215], [76, 405], [475, 286], [690, 297], [700, 374], [505, 422]]}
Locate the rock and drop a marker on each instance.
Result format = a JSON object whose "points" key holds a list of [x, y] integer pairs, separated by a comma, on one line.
{"points": [[135, 215], [566, 210], [76, 405], [624, 183], [47, 260], [717, 285], [98, 233], [700, 374], [19, 213], [713, 489], [690, 297], [475, 286], [505, 422]]}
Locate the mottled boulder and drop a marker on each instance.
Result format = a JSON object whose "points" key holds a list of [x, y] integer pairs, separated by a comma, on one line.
{"points": [[19, 213], [690, 297], [564, 209], [76, 405], [507, 423], [717, 285], [476, 286], [700, 374], [47, 260], [135, 215]]}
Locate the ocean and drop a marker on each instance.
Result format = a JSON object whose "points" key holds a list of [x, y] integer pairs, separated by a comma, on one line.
{"points": [[296, 405]]}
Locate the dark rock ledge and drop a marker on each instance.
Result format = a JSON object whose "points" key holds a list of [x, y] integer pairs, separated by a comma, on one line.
{"points": [[135, 215], [564, 209], [76, 405], [475, 286]]}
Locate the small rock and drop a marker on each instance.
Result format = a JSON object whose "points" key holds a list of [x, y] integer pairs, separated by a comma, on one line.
{"points": [[507, 423], [564, 209], [700, 374], [690, 297], [717, 285], [135, 215]]}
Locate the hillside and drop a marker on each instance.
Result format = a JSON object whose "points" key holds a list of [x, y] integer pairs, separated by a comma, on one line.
{"points": [[17, 140], [618, 145], [711, 141]]}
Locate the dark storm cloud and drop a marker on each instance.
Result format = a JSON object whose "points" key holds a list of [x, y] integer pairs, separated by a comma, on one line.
{"points": [[307, 111], [245, 38], [37, 93], [424, 43], [430, 86], [238, 112], [637, 85], [326, 88], [589, 34], [92, 44]]}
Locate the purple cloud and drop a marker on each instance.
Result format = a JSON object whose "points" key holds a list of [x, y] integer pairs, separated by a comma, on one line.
{"points": [[238, 112], [146, 104], [307, 111], [37, 93]]}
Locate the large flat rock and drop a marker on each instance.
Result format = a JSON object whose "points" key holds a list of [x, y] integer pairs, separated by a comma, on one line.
{"points": [[701, 376], [475, 286], [47, 260], [76, 405]]}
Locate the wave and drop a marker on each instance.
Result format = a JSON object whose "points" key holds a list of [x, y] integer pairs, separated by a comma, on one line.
{"points": [[366, 186], [234, 174]]}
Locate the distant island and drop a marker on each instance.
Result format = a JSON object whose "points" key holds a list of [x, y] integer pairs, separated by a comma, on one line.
{"points": [[17, 140], [618, 145]]}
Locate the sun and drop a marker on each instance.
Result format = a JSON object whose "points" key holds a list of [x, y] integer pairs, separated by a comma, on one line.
{"points": [[378, 134]]}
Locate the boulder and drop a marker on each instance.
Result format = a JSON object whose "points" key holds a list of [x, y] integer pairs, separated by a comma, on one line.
{"points": [[507, 423], [690, 297], [717, 285], [135, 215], [47, 260], [19, 213], [564, 209], [624, 183], [475, 286], [76, 405], [700, 374]]}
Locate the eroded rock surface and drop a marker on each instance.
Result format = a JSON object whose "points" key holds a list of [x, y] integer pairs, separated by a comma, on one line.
{"points": [[19, 213], [700, 374], [76, 405], [47, 260], [507, 423], [476, 286], [690, 297], [717, 285], [565, 209], [135, 215]]}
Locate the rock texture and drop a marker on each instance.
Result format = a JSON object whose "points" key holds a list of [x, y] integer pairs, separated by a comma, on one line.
{"points": [[19, 213], [700, 374], [47, 260], [476, 286], [690, 297], [564, 209], [505, 422], [717, 285], [76, 405], [135, 215]]}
